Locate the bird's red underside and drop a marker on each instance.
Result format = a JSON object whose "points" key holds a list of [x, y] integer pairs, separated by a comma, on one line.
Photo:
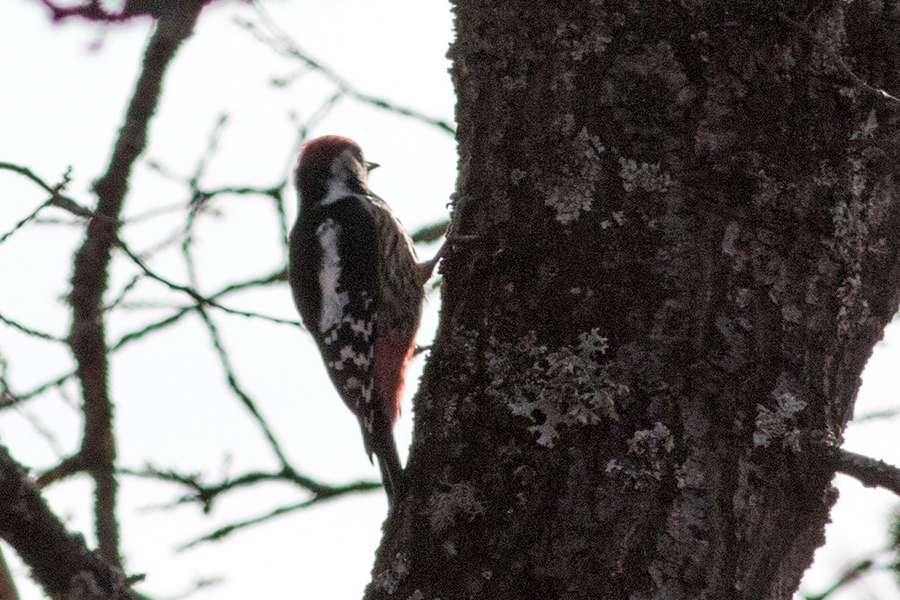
{"points": [[391, 359]]}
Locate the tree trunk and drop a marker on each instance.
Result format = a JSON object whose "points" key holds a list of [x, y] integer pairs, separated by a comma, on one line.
{"points": [[676, 243]]}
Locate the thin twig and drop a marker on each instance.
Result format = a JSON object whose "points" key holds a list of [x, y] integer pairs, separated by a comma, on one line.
{"points": [[56, 199], [871, 472], [195, 295], [23, 222], [12, 399], [205, 494], [888, 413], [29, 331], [279, 41], [238, 391], [851, 574], [218, 534], [430, 233]]}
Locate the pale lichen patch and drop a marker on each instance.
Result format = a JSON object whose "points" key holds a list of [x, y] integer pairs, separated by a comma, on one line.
{"points": [[647, 451], [772, 425], [567, 386], [646, 176], [389, 580], [458, 500], [572, 192]]}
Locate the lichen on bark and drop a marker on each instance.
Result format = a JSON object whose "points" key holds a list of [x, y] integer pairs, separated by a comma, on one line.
{"points": [[711, 188]]}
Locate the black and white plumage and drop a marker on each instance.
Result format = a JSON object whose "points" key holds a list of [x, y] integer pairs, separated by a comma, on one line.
{"points": [[359, 290]]}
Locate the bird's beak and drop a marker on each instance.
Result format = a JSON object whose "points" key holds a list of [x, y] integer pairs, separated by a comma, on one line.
{"points": [[371, 165]]}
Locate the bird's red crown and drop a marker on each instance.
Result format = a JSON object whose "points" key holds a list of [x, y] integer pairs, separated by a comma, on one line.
{"points": [[321, 152]]}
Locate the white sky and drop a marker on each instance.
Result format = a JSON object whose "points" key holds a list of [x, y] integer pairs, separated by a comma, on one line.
{"points": [[61, 103]]}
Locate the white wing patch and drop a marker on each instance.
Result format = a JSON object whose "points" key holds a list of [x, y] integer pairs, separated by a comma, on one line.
{"points": [[334, 304]]}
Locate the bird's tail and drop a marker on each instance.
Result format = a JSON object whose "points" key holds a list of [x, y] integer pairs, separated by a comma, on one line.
{"points": [[392, 475], [379, 440]]}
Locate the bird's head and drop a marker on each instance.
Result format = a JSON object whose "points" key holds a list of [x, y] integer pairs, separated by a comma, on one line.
{"points": [[330, 168]]}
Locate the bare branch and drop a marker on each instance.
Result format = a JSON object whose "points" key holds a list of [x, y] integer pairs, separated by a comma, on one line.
{"points": [[29, 331], [205, 494], [278, 40], [870, 472], [41, 429], [120, 299], [93, 10], [10, 399], [211, 147], [227, 530], [56, 199], [59, 561], [8, 589], [238, 391], [276, 277], [23, 222], [430, 233], [851, 574], [888, 413], [196, 586], [89, 281], [195, 295], [162, 324]]}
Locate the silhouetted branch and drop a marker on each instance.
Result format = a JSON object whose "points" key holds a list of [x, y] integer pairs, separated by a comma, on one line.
{"points": [[89, 281], [94, 10], [871, 472], [8, 589], [329, 494], [59, 561], [23, 222], [430, 233], [196, 586], [211, 301], [196, 296], [119, 300], [42, 430], [156, 326], [238, 391], [853, 573], [30, 331], [278, 40], [878, 414], [205, 494], [56, 198], [12, 399], [211, 147]]}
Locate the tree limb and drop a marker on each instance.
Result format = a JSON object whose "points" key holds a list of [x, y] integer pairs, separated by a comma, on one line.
{"points": [[870, 472], [8, 589], [89, 281], [59, 561]]}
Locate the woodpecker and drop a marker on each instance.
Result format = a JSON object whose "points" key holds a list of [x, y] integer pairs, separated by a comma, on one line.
{"points": [[359, 288]]}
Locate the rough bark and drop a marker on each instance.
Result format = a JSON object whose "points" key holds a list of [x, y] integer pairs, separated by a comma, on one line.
{"points": [[60, 562], [8, 589], [685, 249]]}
